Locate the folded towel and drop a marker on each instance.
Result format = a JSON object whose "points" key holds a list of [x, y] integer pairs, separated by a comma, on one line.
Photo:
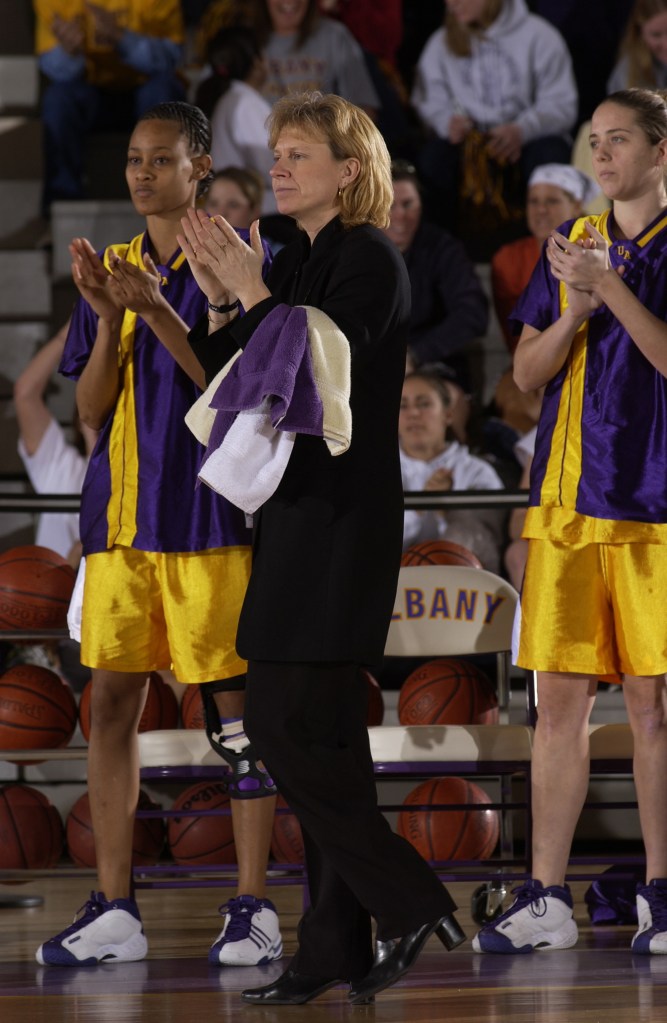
{"points": [[249, 465], [293, 377]]}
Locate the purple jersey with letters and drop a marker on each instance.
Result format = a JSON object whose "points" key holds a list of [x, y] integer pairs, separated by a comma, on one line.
{"points": [[600, 468], [141, 486]]}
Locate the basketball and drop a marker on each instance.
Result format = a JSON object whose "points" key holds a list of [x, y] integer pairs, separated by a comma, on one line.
{"points": [[37, 709], [35, 588], [286, 838], [192, 708], [447, 692], [160, 710], [31, 831], [375, 700], [195, 840], [147, 839], [440, 552], [470, 834]]}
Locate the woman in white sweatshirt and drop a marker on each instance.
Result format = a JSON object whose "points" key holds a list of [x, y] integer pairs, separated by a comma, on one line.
{"points": [[498, 70]]}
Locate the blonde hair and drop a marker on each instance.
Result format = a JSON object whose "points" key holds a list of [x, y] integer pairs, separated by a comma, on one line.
{"points": [[640, 59], [458, 37], [349, 133]]}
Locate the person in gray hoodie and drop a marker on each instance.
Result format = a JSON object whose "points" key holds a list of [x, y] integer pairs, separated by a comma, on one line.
{"points": [[499, 79]]}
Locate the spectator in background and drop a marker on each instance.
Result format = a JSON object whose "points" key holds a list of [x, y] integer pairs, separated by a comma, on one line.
{"points": [[495, 87], [105, 66], [556, 192], [54, 466], [429, 461], [231, 97], [307, 52], [643, 50], [449, 307], [235, 193]]}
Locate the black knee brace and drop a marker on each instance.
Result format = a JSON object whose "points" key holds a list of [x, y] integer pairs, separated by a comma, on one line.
{"points": [[249, 780]]}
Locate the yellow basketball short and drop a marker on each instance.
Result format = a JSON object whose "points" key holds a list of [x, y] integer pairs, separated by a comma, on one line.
{"points": [[594, 609], [144, 611]]}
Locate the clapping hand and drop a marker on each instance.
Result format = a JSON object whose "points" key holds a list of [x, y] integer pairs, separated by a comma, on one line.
{"points": [[581, 266], [93, 280], [223, 265], [134, 288]]}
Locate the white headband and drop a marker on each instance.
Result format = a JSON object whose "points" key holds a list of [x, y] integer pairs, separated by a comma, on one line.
{"points": [[578, 184]]}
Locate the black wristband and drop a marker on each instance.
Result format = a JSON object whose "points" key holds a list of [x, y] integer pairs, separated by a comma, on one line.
{"points": [[224, 308]]}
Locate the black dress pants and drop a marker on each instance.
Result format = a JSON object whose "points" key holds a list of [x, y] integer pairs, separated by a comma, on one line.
{"points": [[308, 724]]}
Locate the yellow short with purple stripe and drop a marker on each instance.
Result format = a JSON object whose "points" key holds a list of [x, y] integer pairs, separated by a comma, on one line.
{"points": [[594, 609], [145, 611]]}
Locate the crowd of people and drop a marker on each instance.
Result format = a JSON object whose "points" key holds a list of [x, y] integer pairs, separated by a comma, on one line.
{"points": [[309, 204]]}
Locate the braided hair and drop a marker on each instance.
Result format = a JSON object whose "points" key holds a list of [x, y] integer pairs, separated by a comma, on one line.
{"points": [[192, 123]]}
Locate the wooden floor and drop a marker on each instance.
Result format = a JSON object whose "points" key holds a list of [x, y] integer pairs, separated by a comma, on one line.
{"points": [[598, 982]]}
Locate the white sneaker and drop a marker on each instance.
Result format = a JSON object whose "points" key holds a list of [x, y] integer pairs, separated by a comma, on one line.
{"points": [[651, 938], [539, 918], [250, 935], [109, 932]]}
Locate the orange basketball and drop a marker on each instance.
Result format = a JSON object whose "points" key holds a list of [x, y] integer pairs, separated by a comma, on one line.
{"points": [[286, 837], [447, 691], [147, 839], [31, 831], [35, 588], [440, 552], [160, 710], [37, 709], [375, 700], [192, 708], [197, 839], [467, 834]]}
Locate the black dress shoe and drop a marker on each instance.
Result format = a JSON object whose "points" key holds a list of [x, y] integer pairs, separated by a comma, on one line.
{"points": [[394, 958], [291, 988]]}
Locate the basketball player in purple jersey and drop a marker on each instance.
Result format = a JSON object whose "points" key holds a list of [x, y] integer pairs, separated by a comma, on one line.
{"points": [[166, 564], [595, 333]]}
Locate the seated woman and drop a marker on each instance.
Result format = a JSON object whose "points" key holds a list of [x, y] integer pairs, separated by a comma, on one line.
{"points": [[235, 193], [496, 89], [306, 51], [430, 462]]}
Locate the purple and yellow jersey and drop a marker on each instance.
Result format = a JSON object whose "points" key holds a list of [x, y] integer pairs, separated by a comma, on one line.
{"points": [[599, 474], [140, 489]]}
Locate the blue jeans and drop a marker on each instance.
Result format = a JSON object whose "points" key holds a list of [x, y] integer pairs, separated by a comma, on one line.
{"points": [[71, 110]]}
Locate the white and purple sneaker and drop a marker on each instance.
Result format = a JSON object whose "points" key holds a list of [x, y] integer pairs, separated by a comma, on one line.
{"points": [[250, 935], [102, 932], [539, 919], [651, 938]]}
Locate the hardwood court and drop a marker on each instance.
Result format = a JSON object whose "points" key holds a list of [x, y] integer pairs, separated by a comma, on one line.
{"points": [[599, 981]]}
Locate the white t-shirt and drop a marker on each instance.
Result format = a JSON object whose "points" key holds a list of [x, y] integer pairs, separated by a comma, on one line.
{"points": [[477, 529], [240, 138], [56, 467]]}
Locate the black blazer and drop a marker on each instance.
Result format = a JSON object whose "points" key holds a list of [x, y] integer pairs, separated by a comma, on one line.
{"points": [[327, 544]]}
